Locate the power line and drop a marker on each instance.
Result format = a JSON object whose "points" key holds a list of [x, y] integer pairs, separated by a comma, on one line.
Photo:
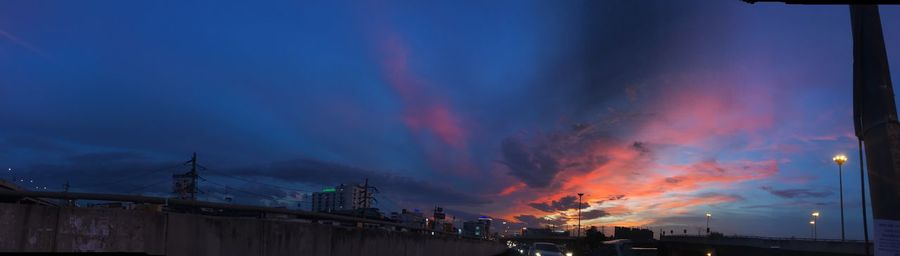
{"points": [[147, 186], [259, 182], [137, 175], [240, 190]]}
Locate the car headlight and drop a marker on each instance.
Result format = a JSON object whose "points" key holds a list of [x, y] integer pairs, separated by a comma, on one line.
{"points": [[537, 254], [568, 254]]}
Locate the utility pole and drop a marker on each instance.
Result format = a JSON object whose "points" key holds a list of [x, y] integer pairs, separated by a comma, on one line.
{"points": [[185, 185], [69, 202], [578, 233], [366, 195], [194, 175]]}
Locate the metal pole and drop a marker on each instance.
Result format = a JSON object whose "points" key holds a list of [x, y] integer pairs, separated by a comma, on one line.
{"points": [[862, 190], [707, 223], [578, 233], [841, 182], [815, 227]]}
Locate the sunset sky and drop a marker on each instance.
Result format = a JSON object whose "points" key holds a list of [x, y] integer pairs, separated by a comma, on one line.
{"points": [[658, 111]]}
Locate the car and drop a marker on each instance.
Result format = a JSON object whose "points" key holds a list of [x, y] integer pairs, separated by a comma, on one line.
{"points": [[546, 249]]}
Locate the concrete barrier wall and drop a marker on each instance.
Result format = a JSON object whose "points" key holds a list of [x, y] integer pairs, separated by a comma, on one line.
{"points": [[33, 228]]}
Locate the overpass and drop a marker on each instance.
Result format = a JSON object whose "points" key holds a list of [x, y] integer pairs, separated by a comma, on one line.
{"points": [[677, 245], [246, 230]]}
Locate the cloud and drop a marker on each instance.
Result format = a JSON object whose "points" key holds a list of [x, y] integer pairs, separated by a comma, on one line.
{"points": [[593, 214], [537, 160], [135, 172], [796, 193], [424, 110], [533, 221], [537, 168], [610, 198], [400, 188], [110, 171], [563, 204]]}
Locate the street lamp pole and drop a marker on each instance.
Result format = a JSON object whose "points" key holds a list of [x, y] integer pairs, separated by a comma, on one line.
{"points": [[815, 223], [578, 233], [812, 229], [840, 160], [707, 222]]}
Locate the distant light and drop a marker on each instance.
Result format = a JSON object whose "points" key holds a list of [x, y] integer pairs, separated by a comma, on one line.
{"points": [[329, 190], [812, 222], [569, 254], [708, 254], [815, 214], [708, 214], [10, 169]]}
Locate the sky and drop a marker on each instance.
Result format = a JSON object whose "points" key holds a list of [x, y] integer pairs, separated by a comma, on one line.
{"points": [[658, 111]]}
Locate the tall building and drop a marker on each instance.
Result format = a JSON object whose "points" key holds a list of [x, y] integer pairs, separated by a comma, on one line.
{"points": [[342, 198], [486, 221], [480, 228], [474, 229]]}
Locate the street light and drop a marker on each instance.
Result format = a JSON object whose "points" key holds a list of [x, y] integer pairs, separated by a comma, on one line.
{"points": [[707, 221], [812, 229], [840, 160], [813, 222]]}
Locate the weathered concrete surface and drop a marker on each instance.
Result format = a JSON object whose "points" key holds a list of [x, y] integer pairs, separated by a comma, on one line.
{"points": [[33, 228], [698, 245]]}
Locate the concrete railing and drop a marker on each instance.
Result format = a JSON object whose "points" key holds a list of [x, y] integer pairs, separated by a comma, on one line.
{"points": [[35, 228], [837, 247]]}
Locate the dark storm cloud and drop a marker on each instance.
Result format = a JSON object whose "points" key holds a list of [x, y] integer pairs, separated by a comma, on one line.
{"points": [[398, 187], [534, 221], [536, 167], [133, 172], [536, 160], [610, 51], [610, 48], [593, 214], [796, 193], [563, 204]]}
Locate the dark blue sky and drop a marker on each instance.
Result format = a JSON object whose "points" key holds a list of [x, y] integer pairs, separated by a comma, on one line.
{"points": [[658, 111]]}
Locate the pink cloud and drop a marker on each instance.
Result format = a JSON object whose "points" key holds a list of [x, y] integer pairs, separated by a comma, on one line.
{"points": [[424, 111]]}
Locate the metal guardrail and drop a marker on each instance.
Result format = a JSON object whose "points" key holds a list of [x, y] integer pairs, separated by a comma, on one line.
{"points": [[300, 214]]}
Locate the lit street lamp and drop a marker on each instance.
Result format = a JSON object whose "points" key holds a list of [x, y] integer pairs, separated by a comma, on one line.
{"points": [[813, 222], [707, 221], [812, 229], [840, 160]]}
